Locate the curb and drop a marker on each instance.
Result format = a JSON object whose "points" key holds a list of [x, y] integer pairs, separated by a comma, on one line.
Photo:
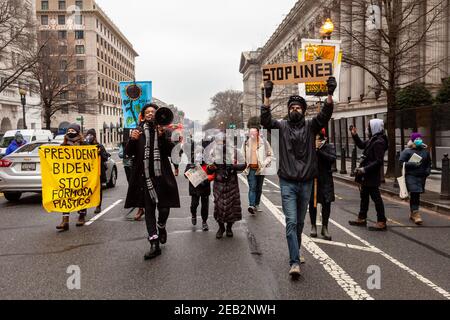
{"points": [[424, 203]]}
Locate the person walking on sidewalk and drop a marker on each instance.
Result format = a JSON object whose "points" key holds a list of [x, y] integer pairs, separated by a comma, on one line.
{"points": [[227, 197], [152, 184], [258, 156], [91, 139], [298, 162], [200, 193], [324, 190], [368, 175], [416, 173], [73, 138]]}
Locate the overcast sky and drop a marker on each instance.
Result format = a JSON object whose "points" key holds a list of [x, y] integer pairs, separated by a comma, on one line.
{"points": [[191, 49]]}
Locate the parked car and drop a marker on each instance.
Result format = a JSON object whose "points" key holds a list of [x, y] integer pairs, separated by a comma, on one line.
{"points": [[28, 135], [59, 138], [20, 172]]}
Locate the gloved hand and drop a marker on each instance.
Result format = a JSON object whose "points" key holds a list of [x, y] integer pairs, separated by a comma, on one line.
{"points": [[332, 85], [268, 89], [360, 171]]}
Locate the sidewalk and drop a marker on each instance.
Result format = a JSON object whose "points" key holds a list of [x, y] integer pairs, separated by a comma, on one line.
{"points": [[430, 199]]}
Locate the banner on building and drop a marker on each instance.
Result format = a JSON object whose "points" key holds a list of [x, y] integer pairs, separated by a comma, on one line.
{"points": [[70, 178], [318, 50], [134, 96], [297, 72]]}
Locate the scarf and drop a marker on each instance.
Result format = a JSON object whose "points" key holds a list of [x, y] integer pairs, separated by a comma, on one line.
{"points": [[73, 141], [156, 160]]}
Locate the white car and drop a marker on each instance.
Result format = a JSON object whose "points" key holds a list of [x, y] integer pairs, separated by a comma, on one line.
{"points": [[20, 171]]}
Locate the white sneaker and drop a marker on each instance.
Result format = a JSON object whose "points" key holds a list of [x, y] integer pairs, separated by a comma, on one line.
{"points": [[295, 271], [258, 209]]}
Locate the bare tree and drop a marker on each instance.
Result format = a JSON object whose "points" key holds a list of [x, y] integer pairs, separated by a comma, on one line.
{"points": [[18, 46], [225, 110], [395, 54], [61, 78]]}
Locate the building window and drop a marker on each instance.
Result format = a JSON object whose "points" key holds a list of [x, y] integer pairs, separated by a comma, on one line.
{"points": [[79, 49], [62, 5], [62, 34], [61, 20], [79, 4], [44, 20], [80, 64], [44, 5], [79, 34], [63, 78], [81, 79]]}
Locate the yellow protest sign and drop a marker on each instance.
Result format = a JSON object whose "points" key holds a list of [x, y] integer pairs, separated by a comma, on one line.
{"points": [[70, 178]]}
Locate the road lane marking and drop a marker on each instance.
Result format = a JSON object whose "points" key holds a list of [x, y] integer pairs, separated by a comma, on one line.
{"points": [[98, 216], [343, 279], [274, 184], [396, 262], [344, 245], [339, 198], [399, 264]]}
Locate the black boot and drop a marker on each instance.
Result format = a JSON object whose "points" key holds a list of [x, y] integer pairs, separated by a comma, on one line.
{"points": [[162, 234], [229, 231], [313, 231], [221, 231], [325, 233], [155, 250], [194, 219]]}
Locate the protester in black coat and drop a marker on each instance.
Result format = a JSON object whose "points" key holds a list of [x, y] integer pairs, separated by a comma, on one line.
{"points": [[324, 188], [227, 197], [149, 187], [73, 138], [368, 175], [91, 139]]}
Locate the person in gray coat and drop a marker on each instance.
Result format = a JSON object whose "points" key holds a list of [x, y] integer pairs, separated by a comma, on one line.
{"points": [[416, 173]]}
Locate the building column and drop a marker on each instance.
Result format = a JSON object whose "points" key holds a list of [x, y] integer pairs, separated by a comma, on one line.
{"points": [[345, 27], [357, 74]]}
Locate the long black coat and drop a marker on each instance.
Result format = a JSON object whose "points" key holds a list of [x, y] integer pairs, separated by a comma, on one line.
{"points": [[166, 186], [325, 189], [104, 156], [202, 190], [416, 176], [227, 197], [372, 159]]}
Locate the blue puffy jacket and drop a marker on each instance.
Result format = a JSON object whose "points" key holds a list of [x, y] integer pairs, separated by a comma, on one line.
{"points": [[13, 146]]}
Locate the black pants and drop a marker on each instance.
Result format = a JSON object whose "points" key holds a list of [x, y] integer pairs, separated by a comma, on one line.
{"points": [[414, 201], [326, 211], [127, 172], [150, 217], [205, 206], [374, 193]]}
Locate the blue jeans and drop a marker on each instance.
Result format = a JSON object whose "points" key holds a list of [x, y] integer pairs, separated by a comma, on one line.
{"points": [[295, 197], [255, 184]]}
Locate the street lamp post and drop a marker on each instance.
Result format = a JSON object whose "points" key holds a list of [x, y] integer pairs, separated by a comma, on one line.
{"points": [[23, 99], [327, 29]]}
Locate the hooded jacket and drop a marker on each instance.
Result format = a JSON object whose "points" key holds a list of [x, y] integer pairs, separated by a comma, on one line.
{"points": [[298, 158], [13, 146], [416, 175], [373, 155]]}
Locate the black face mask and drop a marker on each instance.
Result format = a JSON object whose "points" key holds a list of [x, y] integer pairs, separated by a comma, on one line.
{"points": [[295, 116], [72, 135]]}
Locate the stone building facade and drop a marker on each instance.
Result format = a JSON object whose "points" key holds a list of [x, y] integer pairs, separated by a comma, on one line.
{"points": [[103, 53], [358, 91], [11, 115]]}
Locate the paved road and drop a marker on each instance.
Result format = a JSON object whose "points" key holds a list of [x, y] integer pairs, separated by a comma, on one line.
{"points": [[414, 263]]}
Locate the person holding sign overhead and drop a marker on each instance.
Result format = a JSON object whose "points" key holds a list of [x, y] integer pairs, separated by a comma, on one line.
{"points": [[73, 138], [298, 161], [152, 183]]}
